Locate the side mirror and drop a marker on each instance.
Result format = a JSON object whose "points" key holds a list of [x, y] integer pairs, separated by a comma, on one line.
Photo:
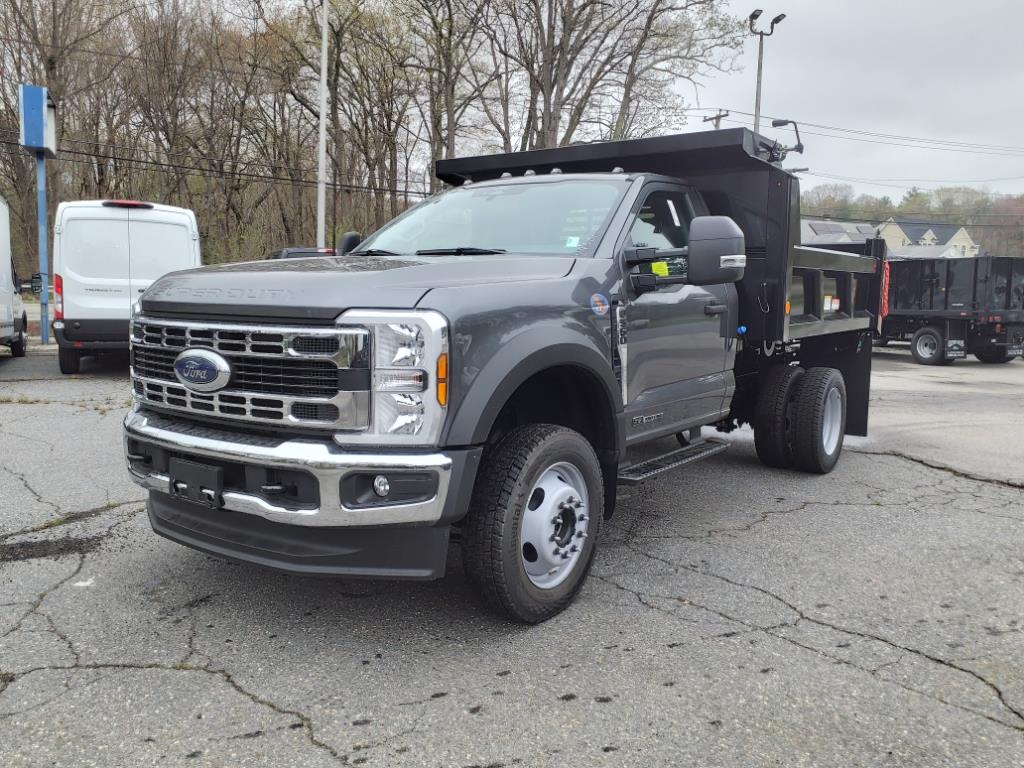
{"points": [[716, 252], [348, 241], [37, 283]]}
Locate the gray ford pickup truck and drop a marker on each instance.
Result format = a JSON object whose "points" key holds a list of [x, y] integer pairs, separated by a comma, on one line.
{"points": [[482, 368]]}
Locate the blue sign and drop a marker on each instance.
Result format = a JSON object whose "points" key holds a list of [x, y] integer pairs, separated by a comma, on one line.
{"points": [[38, 120], [202, 370]]}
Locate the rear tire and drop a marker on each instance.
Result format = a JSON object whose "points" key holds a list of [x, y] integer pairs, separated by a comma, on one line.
{"points": [[523, 487], [993, 356], [772, 422], [819, 420], [70, 360], [20, 345], [928, 346]]}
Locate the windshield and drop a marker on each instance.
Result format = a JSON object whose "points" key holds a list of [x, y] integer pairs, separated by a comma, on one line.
{"points": [[551, 218]]}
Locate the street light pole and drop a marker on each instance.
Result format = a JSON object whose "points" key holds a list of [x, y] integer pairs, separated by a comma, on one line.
{"points": [[760, 58], [321, 178]]}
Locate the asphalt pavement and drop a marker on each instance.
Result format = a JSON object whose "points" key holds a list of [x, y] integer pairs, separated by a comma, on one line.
{"points": [[735, 615]]}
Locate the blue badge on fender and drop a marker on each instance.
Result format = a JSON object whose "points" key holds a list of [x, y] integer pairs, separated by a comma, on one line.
{"points": [[202, 370], [599, 304]]}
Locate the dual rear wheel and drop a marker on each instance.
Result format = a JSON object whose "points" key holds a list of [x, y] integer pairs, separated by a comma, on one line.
{"points": [[800, 418]]}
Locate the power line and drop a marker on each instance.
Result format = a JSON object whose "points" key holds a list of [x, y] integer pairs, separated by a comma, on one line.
{"points": [[212, 173], [877, 134], [896, 217]]}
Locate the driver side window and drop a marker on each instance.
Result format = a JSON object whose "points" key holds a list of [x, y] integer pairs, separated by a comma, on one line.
{"points": [[663, 221]]}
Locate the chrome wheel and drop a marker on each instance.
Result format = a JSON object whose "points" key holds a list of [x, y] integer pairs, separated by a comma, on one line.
{"points": [[831, 421], [554, 525], [927, 345]]}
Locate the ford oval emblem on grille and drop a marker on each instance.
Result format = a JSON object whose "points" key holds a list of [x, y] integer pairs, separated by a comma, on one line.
{"points": [[202, 370]]}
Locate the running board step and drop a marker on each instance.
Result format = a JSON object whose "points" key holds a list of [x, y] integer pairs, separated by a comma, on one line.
{"points": [[637, 473]]}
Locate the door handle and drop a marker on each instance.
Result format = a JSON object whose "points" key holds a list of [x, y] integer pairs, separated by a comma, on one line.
{"points": [[715, 309]]}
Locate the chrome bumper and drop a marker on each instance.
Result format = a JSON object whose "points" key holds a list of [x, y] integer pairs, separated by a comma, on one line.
{"points": [[327, 462]]}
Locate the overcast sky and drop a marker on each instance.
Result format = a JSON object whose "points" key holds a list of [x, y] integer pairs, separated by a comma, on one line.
{"points": [[934, 69]]}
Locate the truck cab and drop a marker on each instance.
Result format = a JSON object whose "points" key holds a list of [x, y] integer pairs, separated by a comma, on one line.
{"points": [[483, 367]]}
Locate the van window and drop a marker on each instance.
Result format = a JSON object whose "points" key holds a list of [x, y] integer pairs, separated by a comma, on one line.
{"points": [[95, 247], [159, 247]]}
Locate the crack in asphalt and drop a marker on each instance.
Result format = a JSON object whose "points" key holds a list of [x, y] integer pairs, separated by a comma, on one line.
{"points": [[6, 678], [20, 476], [803, 616], [966, 475], [71, 517]]}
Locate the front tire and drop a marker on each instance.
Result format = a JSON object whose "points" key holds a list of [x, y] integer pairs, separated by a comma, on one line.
{"points": [[819, 420], [928, 346], [772, 423], [19, 347], [69, 360], [531, 532]]}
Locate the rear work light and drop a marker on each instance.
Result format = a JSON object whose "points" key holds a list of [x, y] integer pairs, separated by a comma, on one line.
{"points": [[58, 297], [126, 204]]}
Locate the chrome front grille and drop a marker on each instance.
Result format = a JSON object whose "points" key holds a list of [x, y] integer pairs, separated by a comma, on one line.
{"points": [[313, 377]]}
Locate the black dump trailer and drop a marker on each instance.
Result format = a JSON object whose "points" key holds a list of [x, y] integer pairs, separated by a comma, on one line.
{"points": [[950, 308], [802, 304]]}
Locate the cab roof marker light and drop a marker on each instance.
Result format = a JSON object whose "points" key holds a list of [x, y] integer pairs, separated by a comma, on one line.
{"points": [[529, 172]]}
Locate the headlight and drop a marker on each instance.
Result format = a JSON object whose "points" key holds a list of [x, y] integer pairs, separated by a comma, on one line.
{"points": [[410, 376]]}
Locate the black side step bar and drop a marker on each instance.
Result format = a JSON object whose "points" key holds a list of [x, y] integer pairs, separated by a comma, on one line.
{"points": [[637, 473]]}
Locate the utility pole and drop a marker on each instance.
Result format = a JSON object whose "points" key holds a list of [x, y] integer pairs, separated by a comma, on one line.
{"points": [[321, 177], [760, 58], [716, 119], [38, 134]]}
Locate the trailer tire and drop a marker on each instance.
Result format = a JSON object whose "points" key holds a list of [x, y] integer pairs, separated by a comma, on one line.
{"points": [[928, 346], [772, 417], [522, 514], [69, 360], [993, 356], [819, 420]]}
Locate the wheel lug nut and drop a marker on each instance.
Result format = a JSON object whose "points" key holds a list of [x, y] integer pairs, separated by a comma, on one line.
{"points": [[553, 537], [556, 520], [581, 534], [565, 555], [574, 548], [581, 517], [556, 552], [577, 503]]}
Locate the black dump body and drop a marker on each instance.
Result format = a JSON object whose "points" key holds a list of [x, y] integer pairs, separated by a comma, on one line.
{"points": [[829, 291], [952, 289]]}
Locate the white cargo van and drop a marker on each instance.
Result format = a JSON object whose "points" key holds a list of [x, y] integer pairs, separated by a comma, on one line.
{"points": [[105, 254], [13, 321]]}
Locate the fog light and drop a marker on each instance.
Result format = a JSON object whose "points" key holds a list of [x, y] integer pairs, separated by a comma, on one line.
{"points": [[381, 486]]}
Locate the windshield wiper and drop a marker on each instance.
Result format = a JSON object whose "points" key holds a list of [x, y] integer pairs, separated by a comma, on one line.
{"points": [[461, 250], [376, 252]]}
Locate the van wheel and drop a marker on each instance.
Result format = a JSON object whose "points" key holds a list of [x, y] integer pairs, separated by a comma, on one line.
{"points": [[819, 420], [70, 360], [772, 419], [532, 529], [928, 346], [993, 356], [20, 345]]}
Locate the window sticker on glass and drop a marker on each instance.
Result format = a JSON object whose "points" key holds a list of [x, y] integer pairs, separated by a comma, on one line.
{"points": [[572, 242], [672, 210]]}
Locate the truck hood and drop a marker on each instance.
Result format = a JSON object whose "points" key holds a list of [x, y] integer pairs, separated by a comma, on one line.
{"points": [[320, 288]]}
